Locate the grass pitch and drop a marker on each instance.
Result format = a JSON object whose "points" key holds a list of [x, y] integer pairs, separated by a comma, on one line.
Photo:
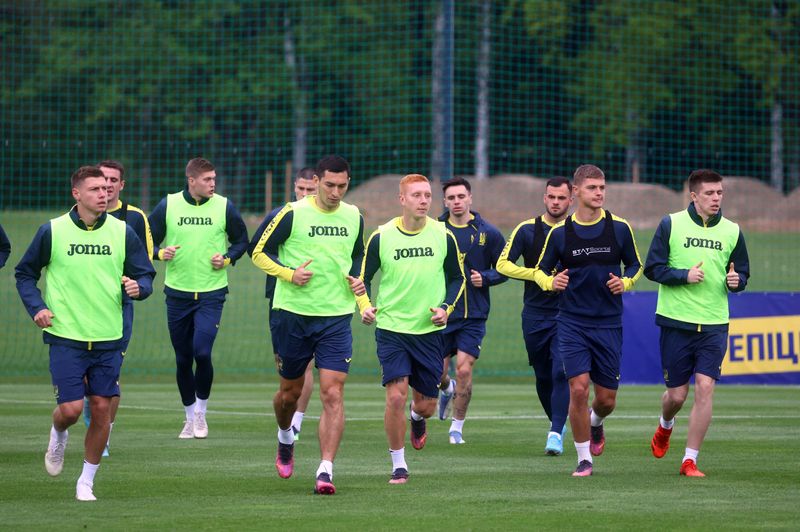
{"points": [[500, 479]]}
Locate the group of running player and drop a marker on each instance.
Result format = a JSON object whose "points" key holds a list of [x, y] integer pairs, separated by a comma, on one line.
{"points": [[432, 304]]}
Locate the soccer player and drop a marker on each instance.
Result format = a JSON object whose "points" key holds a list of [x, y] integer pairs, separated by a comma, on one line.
{"points": [[539, 308], [421, 281], [5, 247], [313, 307], [90, 259], [697, 256], [589, 245], [137, 219], [305, 184], [479, 244], [194, 224]]}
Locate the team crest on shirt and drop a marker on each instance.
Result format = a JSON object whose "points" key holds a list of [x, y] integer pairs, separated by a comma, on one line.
{"points": [[482, 239]]}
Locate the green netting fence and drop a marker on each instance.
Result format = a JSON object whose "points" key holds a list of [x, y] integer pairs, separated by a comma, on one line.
{"points": [[503, 92]]}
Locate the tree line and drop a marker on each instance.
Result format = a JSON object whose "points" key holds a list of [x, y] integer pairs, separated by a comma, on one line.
{"points": [[648, 90]]}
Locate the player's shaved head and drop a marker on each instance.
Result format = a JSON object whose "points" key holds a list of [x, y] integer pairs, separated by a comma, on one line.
{"points": [[587, 171], [412, 178]]}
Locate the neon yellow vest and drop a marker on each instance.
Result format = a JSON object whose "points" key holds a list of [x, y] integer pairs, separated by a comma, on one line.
{"points": [[412, 277], [705, 303], [328, 238], [200, 232], [84, 280]]}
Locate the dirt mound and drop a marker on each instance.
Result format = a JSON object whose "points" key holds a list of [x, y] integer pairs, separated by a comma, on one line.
{"points": [[506, 200]]}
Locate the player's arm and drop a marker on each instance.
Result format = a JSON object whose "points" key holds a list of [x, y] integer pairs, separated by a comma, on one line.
{"points": [[656, 267], [370, 264], [158, 227], [549, 258], [494, 246], [29, 270], [260, 230], [357, 259], [137, 220], [265, 252], [741, 263], [137, 266], [5, 247], [237, 235], [513, 249], [630, 253], [453, 275]]}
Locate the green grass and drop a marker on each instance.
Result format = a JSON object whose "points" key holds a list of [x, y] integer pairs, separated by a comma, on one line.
{"points": [[243, 347], [499, 480]]}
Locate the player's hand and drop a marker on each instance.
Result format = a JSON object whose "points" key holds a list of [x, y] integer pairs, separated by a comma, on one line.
{"points": [[560, 281], [732, 278], [44, 318], [356, 285], [368, 316], [130, 286], [217, 261], [476, 278], [168, 253], [439, 317], [615, 284], [696, 275], [301, 275]]}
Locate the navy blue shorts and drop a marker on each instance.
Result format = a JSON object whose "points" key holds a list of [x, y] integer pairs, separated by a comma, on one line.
{"points": [[69, 367], [541, 341], [464, 335], [416, 356], [272, 325], [597, 352], [685, 352], [297, 339]]}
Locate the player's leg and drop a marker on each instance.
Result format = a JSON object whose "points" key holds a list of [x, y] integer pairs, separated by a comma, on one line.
{"points": [[127, 331], [537, 343], [605, 346], [67, 372], [102, 379], [180, 321], [463, 395], [677, 364], [425, 351], [710, 352], [290, 339], [333, 351], [395, 364], [284, 403], [207, 320], [576, 358], [447, 386], [331, 426], [302, 402], [559, 400]]}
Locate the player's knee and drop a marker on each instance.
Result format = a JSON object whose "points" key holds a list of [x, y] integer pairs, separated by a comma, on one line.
{"points": [[396, 400], [331, 396], [464, 374], [604, 405], [425, 408], [70, 412]]}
